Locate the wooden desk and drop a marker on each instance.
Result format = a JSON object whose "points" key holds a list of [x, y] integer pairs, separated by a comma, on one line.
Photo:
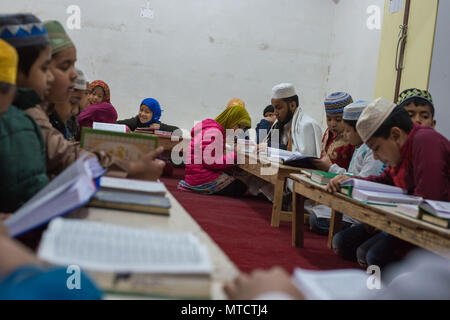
{"points": [[385, 218], [277, 177], [178, 221]]}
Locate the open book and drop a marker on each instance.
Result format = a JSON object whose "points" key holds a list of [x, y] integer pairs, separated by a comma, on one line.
{"points": [[378, 193], [68, 191], [110, 253], [290, 158], [435, 212], [348, 284]]}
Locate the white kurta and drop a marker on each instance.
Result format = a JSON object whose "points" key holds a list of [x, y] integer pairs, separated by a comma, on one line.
{"points": [[306, 134]]}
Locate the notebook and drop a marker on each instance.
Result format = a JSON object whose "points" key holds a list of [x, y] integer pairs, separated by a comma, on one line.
{"points": [[378, 193], [70, 190], [129, 253]]}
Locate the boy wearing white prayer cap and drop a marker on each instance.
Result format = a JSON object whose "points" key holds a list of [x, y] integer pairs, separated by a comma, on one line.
{"points": [[417, 159]]}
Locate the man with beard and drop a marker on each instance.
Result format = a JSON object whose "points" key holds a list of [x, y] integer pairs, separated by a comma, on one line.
{"points": [[298, 132]]}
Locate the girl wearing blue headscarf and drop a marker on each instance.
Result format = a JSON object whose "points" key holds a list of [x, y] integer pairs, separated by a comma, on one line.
{"points": [[148, 117]]}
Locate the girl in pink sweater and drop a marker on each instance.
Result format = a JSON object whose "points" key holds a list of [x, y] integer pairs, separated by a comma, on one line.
{"points": [[206, 160]]}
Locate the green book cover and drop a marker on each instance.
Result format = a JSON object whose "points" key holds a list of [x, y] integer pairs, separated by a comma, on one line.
{"points": [[126, 146], [324, 177]]}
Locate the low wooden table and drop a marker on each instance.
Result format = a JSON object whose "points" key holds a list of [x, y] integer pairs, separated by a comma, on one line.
{"points": [[275, 174], [415, 231], [178, 221]]}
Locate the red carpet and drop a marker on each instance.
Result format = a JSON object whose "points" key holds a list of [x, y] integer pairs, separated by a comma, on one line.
{"points": [[241, 227]]}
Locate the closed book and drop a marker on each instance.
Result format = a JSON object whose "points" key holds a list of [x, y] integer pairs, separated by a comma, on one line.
{"points": [[145, 130], [160, 285], [436, 220], [322, 177], [141, 186], [411, 210], [163, 133], [125, 200]]}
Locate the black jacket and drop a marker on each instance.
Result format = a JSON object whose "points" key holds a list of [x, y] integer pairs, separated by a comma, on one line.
{"points": [[134, 123]]}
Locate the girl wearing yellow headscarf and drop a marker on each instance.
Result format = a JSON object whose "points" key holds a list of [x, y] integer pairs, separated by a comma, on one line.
{"points": [[234, 116], [205, 169]]}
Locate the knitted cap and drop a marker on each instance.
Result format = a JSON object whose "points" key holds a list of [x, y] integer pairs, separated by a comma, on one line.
{"points": [[336, 102], [354, 110], [283, 91], [409, 94], [22, 30], [8, 63], [373, 117], [59, 40]]}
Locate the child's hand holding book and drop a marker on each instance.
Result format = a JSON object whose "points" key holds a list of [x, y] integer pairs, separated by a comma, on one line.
{"points": [[333, 185], [148, 167]]}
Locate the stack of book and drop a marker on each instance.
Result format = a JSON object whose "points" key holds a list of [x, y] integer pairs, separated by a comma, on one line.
{"points": [[153, 131], [377, 193], [132, 195], [435, 212], [322, 177], [129, 260]]}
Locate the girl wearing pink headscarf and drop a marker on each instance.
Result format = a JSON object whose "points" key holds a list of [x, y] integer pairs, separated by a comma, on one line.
{"points": [[100, 108]]}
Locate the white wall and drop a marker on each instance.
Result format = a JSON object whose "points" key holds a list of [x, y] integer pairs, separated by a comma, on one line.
{"points": [[440, 70], [197, 54], [354, 49]]}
